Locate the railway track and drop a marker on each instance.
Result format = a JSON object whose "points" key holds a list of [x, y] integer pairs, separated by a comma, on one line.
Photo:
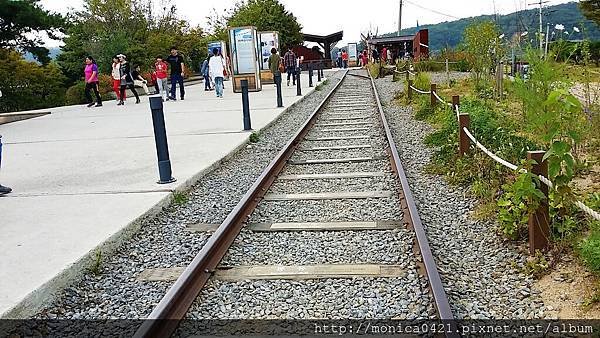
{"points": [[338, 183]]}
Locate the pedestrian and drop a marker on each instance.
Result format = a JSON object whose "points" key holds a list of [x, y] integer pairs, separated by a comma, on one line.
{"points": [[138, 79], [375, 55], [177, 70], [365, 58], [345, 58], [91, 82], [216, 69], [275, 66], [154, 81], [206, 74], [160, 68], [3, 190], [289, 61], [116, 77], [126, 80], [384, 55], [389, 56]]}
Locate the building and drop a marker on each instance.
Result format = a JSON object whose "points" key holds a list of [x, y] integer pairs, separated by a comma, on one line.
{"points": [[412, 46]]}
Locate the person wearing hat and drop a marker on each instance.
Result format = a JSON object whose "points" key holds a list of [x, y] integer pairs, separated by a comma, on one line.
{"points": [[126, 80]]}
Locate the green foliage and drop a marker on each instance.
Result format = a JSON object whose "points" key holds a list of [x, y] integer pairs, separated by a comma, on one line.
{"points": [[518, 201], [484, 48], [21, 21], [254, 137], [268, 15], [76, 93], [179, 198], [27, 85], [591, 10], [589, 250], [96, 267], [537, 266], [321, 85]]}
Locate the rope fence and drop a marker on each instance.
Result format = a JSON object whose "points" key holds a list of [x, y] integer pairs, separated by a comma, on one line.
{"points": [[539, 226]]}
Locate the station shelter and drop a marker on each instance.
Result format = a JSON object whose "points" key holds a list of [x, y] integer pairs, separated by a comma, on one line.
{"points": [[415, 47]]}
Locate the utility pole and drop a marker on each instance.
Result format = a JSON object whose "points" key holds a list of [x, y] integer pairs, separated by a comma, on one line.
{"points": [[541, 4], [400, 18]]}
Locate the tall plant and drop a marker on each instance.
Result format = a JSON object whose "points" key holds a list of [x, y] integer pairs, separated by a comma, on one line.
{"points": [[483, 45]]}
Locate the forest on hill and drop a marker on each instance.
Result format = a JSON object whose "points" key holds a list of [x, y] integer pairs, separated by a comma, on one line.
{"points": [[569, 15]]}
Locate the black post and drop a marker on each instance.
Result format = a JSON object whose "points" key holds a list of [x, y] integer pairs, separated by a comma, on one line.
{"points": [[160, 138], [298, 88], [319, 69], [277, 79], [310, 74], [246, 105]]}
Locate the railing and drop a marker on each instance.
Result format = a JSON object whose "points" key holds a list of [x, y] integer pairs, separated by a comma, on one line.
{"points": [[539, 221]]}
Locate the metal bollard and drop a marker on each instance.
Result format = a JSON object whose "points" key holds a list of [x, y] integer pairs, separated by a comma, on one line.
{"points": [[277, 79], [298, 87], [245, 105], [539, 221], [319, 69], [160, 138], [310, 75]]}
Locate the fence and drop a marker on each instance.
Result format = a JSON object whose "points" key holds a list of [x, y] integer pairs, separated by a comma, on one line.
{"points": [[539, 221]]}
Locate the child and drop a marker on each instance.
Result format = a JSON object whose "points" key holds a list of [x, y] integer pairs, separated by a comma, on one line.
{"points": [[160, 68]]}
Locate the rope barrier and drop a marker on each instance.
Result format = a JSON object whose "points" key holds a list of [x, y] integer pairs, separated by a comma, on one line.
{"points": [[591, 212], [402, 72], [411, 73], [420, 91], [441, 100]]}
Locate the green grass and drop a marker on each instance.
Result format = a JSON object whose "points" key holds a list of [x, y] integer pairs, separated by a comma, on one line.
{"points": [[179, 198], [254, 137], [589, 250], [96, 267]]}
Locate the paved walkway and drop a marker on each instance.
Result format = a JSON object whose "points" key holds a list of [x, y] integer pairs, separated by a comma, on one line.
{"points": [[81, 175]]}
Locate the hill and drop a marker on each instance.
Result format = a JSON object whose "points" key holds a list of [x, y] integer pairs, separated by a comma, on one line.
{"points": [[451, 32]]}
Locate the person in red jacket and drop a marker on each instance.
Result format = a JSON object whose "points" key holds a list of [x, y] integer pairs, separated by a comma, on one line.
{"points": [[345, 58], [160, 69]]}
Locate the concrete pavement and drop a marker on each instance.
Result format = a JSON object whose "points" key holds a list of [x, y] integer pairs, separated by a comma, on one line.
{"points": [[82, 177]]}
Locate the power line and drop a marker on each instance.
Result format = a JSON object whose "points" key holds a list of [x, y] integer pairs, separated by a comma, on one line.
{"points": [[432, 10]]}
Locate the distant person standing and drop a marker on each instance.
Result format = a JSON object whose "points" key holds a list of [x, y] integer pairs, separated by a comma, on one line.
{"points": [[345, 58], [3, 190], [339, 59], [289, 61], [274, 65], [365, 58], [389, 56], [160, 68], [206, 74], [126, 80], [384, 55], [177, 70], [375, 55], [116, 77], [91, 82], [216, 68]]}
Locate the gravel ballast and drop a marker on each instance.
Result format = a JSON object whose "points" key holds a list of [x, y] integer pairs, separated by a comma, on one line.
{"points": [[477, 268]]}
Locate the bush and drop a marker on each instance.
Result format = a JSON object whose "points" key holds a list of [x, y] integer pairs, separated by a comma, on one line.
{"points": [[590, 251], [430, 66], [76, 93]]}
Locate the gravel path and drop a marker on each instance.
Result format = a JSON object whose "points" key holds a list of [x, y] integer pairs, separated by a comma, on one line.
{"points": [[163, 241], [477, 268], [400, 297]]}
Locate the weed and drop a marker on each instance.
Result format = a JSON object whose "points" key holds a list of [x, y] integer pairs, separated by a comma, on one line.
{"points": [[589, 250], [593, 299], [537, 265], [96, 267], [179, 198], [254, 137]]}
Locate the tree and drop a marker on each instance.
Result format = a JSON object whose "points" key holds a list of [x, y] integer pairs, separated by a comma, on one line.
{"points": [[591, 9], [20, 20], [28, 85], [482, 43], [268, 15]]}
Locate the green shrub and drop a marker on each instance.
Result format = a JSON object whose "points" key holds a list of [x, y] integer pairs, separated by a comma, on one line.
{"points": [[589, 250], [76, 93]]}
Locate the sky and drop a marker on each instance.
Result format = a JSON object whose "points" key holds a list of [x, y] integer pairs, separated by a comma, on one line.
{"points": [[323, 17]]}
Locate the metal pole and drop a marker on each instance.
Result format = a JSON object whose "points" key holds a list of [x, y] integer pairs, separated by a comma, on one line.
{"points": [[310, 75], [400, 18], [539, 221], [319, 68], [160, 138], [279, 96], [448, 72], [547, 36], [298, 88], [245, 105]]}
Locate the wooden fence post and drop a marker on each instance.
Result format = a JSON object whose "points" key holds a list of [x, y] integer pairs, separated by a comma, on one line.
{"points": [[539, 221], [407, 73], [409, 90], [455, 102], [464, 142], [433, 99]]}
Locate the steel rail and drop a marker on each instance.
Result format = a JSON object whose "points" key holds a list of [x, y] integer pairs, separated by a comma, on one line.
{"points": [[165, 317], [435, 282]]}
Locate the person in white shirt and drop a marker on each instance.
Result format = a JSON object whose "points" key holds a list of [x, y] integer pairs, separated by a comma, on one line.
{"points": [[216, 67]]}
